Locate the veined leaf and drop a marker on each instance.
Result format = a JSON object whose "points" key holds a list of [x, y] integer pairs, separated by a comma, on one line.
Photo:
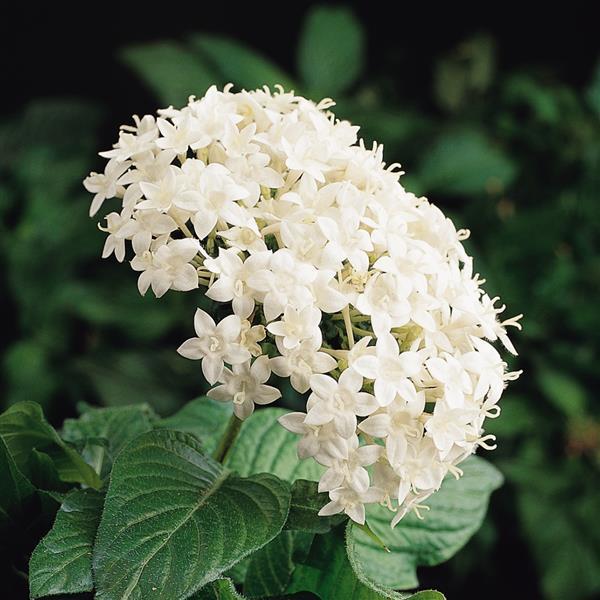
{"points": [[17, 491], [62, 561], [115, 425], [222, 589], [457, 511], [24, 428], [203, 417], [175, 519]]}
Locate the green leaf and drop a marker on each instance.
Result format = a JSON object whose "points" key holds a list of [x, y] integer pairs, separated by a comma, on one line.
{"points": [[17, 491], [457, 511], [271, 568], [24, 429], [465, 162], [175, 520], [264, 446], [592, 92], [205, 418], [328, 574], [62, 561], [304, 508], [169, 69], [331, 50], [563, 391], [114, 425], [222, 589], [238, 64]]}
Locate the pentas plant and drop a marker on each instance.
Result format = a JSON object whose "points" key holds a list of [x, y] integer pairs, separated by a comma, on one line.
{"points": [[335, 277]]}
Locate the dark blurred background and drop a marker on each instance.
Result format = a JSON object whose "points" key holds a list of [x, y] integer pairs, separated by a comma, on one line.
{"points": [[495, 117]]}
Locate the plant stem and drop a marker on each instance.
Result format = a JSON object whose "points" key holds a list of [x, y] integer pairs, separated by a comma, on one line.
{"points": [[227, 439]]}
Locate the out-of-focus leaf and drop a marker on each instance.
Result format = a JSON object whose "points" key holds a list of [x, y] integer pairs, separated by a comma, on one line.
{"points": [[564, 392], [170, 70], [592, 93], [465, 162], [331, 50], [238, 64]]}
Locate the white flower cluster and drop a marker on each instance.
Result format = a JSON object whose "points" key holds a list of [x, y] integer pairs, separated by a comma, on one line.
{"points": [[336, 277]]}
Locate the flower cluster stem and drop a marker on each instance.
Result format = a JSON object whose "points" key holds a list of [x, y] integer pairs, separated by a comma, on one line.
{"points": [[227, 439]]}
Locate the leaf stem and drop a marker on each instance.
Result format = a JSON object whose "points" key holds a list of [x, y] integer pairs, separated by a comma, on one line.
{"points": [[227, 439]]}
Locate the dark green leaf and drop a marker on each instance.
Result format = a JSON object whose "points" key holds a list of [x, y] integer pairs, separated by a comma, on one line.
{"points": [[328, 574], [203, 417], [114, 425], [305, 506], [271, 567], [563, 391], [175, 520], [170, 70], [457, 511], [465, 162], [238, 64], [331, 50], [222, 589], [62, 561], [264, 446], [24, 428], [17, 492]]}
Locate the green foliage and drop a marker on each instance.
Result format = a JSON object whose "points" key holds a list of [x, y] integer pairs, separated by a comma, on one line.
{"points": [[456, 513], [331, 51], [304, 508], [512, 154], [328, 573], [24, 429], [62, 561], [170, 70], [174, 519], [263, 445]]}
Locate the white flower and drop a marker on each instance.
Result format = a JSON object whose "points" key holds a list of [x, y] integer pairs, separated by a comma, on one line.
{"points": [[168, 267], [105, 185], [339, 402], [215, 345], [385, 299], [244, 385], [284, 283], [351, 502], [297, 326], [300, 363], [391, 370], [232, 283], [360, 292]]}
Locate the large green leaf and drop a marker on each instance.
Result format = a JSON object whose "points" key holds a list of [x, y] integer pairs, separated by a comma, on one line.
{"points": [[331, 50], [203, 417], [170, 70], [264, 446], [222, 589], [113, 426], [239, 64], [457, 511], [62, 561], [270, 569], [328, 574], [17, 491], [24, 429], [465, 162], [175, 519], [305, 506]]}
